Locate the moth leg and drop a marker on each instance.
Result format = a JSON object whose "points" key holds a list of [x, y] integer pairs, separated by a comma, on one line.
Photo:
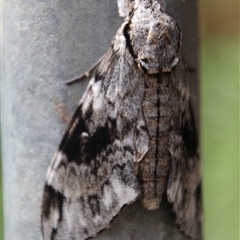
{"points": [[86, 74]]}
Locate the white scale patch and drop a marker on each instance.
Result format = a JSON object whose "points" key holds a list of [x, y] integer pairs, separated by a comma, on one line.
{"points": [[56, 174], [107, 198], [125, 194]]}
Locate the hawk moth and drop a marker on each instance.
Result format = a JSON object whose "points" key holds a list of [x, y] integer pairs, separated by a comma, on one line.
{"points": [[132, 136]]}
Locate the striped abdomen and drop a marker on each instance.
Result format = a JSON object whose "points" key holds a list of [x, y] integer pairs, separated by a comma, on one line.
{"points": [[153, 170]]}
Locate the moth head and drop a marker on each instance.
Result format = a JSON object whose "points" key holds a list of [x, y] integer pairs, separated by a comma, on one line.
{"points": [[155, 38]]}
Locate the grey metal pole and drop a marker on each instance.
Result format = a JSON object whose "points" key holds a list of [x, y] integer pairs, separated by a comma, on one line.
{"points": [[46, 43]]}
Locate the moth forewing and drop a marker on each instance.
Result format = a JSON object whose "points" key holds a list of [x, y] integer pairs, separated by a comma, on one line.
{"points": [[132, 136]]}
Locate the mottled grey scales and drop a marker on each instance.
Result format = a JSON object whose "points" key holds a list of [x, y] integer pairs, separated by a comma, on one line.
{"points": [[132, 136]]}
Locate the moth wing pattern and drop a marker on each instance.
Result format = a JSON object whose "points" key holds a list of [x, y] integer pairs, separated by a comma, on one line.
{"points": [[134, 128], [92, 176], [183, 189]]}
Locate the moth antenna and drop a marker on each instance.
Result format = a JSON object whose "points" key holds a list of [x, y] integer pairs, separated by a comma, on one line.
{"points": [[87, 74]]}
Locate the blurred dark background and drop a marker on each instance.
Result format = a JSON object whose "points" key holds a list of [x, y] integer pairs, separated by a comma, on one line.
{"points": [[219, 21], [220, 117]]}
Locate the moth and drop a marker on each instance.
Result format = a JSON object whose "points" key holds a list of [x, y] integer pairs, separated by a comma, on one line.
{"points": [[133, 135]]}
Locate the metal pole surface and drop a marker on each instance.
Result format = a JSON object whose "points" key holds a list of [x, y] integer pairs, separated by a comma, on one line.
{"points": [[46, 43]]}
